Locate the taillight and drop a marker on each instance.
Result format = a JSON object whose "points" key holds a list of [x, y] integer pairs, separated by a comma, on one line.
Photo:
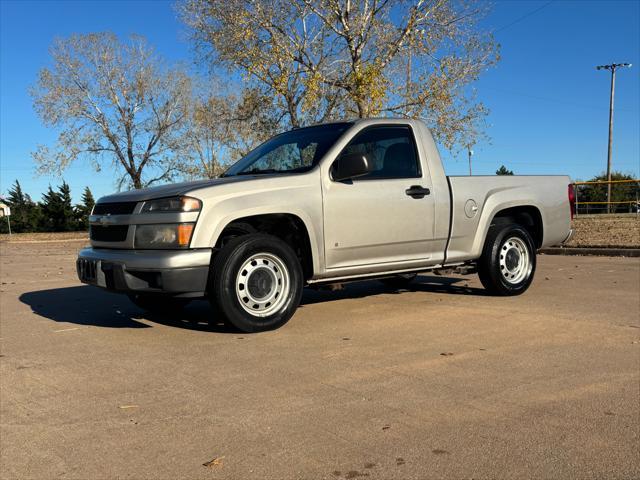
{"points": [[572, 199]]}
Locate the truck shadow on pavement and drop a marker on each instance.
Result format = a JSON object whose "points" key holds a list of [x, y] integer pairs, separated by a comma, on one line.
{"points": [[84, 305], [422, 283]]}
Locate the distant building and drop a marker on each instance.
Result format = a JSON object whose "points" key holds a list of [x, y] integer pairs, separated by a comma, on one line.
{"points": [[5, 211]]}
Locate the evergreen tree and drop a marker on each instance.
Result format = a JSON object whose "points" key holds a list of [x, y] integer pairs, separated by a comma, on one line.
{"points": [[25, 213], [50, 209], [83, 210], [16, 196], [504, 171], [68, 213], [57, 209]]}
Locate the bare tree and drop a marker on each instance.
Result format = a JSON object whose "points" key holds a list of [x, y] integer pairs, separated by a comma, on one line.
{"points": [[203, 141], [321, 59], [114, 102]]}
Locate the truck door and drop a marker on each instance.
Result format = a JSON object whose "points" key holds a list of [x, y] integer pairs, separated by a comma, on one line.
{"points": [[387, 216]]}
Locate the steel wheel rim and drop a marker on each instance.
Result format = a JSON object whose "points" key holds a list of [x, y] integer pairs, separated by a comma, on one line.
{"points": [[262, 284], [515, 261]]}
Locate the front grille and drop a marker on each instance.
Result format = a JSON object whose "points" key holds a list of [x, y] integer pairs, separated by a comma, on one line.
{"points": [[120, 208], [112, 233]]}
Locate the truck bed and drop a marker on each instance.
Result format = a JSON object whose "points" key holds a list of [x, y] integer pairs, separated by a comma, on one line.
{"points": [[476, 199]]}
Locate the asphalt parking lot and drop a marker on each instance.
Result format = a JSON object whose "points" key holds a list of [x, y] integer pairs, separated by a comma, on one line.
{"points": [[437, 382]]}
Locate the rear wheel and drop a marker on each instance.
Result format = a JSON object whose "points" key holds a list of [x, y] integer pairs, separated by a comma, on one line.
{"points": [[257, 282], [508, 261]]}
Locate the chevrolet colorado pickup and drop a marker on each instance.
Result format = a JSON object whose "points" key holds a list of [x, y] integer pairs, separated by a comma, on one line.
{"points": [[324, 204]]}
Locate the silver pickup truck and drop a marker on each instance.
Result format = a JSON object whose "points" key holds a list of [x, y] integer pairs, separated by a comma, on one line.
{"points": [[329, 203]]}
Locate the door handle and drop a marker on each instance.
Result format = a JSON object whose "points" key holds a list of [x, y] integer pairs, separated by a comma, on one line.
{"points": [[416, 191]]}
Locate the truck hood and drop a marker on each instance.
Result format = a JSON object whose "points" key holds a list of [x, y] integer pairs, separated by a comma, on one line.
{"points": [[170, 190]]}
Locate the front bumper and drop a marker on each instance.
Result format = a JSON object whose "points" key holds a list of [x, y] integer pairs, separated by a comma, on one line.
{"points": [[176, 272]]}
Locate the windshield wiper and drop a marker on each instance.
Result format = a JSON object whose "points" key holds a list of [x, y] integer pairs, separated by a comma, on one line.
{"points": [[254, 171]]}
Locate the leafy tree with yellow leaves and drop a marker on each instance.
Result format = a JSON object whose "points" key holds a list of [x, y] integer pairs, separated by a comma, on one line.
{"points": [[224, 128], [325, 59]]}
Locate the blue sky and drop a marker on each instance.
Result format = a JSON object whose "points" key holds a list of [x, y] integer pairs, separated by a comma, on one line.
{"points": [[549, 106]]}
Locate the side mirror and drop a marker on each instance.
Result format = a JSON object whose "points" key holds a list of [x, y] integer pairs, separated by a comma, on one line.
{"points": [[350, 166]]}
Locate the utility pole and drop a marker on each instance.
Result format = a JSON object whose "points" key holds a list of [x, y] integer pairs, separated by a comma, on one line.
{"points": [[613, 68], [470, 152]]}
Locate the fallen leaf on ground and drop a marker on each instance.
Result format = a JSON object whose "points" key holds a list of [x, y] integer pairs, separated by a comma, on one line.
{"points": [[216, 462], [439, 451]]}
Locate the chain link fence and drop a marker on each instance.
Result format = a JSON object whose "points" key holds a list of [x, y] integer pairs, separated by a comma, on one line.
{"points": [[592, 198]]}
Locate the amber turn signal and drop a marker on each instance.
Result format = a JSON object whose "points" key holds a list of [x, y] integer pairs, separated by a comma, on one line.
{"points": [[184, 234]]}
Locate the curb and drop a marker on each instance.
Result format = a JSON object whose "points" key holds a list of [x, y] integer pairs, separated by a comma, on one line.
{"points": [[605, 252], [53, 240]]}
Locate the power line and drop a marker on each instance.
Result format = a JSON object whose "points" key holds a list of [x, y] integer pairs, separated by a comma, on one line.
{"points": [[526, 15], [554, 100]]}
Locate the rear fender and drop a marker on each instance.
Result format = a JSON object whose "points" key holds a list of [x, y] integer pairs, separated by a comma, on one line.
{"points": [[468, 234], [494, 206]]}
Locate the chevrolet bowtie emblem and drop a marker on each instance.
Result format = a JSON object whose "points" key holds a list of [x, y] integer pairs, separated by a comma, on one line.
{"points": [[106, 220]]}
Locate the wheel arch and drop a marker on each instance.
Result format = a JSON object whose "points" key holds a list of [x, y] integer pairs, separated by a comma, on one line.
{"points": [[526, 213], [287, 226], [527, 216]]}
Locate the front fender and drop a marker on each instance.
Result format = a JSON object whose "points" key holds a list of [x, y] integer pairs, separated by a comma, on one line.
{"points": [[302, 199]]}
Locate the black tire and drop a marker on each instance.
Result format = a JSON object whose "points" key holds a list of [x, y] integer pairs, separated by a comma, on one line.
{"points": [[278, 270], [400, 281], [235, 230], [504, 252], [158, 303]]}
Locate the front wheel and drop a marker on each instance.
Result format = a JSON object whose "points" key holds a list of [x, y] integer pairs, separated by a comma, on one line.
{"points": [[257, 282], [508, 261]]}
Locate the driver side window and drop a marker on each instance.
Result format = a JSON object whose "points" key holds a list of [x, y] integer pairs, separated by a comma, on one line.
{"points": [[390, 149]]}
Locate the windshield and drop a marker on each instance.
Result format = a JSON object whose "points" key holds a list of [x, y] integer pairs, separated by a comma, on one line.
{"points": [[294, 151]]}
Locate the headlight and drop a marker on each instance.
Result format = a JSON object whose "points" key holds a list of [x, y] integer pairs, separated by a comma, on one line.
{"points": [[172, 204], [164, 236]]}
